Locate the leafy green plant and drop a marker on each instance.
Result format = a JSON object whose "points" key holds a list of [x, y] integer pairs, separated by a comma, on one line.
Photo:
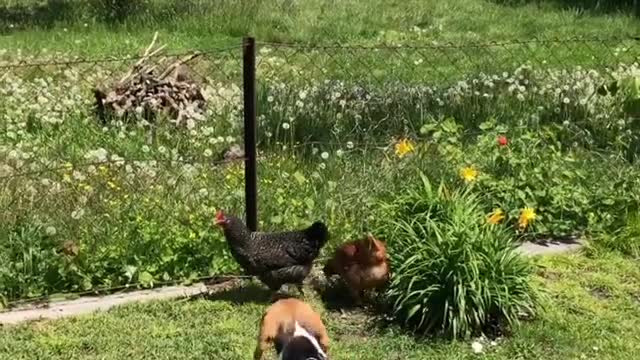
{"points": [[453, 273], [521, 167], [625, 240]]}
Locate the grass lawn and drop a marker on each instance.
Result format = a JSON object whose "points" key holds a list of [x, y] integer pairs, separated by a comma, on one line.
{"points": [[87, 206], [591, 312], [82, 29]]}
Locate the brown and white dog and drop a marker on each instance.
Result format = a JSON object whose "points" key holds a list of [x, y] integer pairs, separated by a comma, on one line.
{"points": [[295, 330]]}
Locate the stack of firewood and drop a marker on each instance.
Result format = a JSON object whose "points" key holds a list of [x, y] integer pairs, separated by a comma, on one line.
{"points": [[146, 91]]}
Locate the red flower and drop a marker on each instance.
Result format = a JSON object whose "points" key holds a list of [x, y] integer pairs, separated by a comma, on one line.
{"points": [[502, 140]]}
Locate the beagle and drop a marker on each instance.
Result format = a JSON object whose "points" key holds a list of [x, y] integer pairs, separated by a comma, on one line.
{"points": [[295, 330]]}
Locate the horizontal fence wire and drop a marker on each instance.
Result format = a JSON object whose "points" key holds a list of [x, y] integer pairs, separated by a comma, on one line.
{"points": [[447, 61], [460, 45], [119, 162], [129, 188], [35, 61]]}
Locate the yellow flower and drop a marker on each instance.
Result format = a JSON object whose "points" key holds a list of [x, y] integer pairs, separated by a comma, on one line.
{"points": [[495, 217], [527, 215], [403, 147], [469, 174]]}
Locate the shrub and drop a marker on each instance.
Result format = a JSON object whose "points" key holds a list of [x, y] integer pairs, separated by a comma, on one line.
{"points": [[454, 274]]}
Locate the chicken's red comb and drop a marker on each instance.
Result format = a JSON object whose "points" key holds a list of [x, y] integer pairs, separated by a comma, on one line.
{"points": [[219, 215]]}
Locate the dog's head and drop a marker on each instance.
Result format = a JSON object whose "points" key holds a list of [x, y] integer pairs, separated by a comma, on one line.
{"points": [[294, 342]]}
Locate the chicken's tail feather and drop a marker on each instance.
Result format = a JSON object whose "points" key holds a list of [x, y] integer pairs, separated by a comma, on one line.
{"points": [[319, 232]]}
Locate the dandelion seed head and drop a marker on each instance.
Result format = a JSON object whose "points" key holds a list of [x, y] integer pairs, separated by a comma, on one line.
{"points": [[50, 230]]}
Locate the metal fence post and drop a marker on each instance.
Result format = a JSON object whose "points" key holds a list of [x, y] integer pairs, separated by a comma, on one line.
{"points": [[250, 129]]}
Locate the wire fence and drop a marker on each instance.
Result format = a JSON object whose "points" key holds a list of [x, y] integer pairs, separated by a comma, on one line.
{"points": [[111, 169]]}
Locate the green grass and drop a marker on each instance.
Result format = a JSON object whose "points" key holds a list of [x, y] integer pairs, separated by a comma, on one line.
{"points": [[83, 29], [591, 312], [137, 221]]}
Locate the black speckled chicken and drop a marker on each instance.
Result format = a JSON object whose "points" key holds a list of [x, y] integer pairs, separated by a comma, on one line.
{"points": [[276, 258]]}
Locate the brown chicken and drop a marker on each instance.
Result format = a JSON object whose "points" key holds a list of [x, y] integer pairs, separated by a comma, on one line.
{"points": [[362, 264]]}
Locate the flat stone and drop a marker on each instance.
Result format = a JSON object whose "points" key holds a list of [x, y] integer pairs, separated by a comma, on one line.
{"points": [[550, 247], [88, 305]]}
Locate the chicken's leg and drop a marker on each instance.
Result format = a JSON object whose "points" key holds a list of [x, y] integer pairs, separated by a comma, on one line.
{"points": [[356, 295]]}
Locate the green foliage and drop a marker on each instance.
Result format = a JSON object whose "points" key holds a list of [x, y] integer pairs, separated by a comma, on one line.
{"points": [[142, 247], [453, 273], [564, 183], [148, 221], [571, 327], [625, 239], [117, 11]]}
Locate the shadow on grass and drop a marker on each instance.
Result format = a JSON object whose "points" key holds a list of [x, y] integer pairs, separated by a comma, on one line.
{"points": [[597, 7], [43, 15], [239, 293], [335, 297], [364, 321], [47, 14], [564, 240]]}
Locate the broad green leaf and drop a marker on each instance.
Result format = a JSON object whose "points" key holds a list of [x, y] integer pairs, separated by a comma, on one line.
{"points": [[145, 279]]}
